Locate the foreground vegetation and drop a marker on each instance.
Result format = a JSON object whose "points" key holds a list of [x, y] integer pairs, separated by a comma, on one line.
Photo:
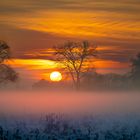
{"points": [[60, 127]]}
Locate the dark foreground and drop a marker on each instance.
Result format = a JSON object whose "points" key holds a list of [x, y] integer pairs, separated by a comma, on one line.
{"points": [[76, 116], [63, 127]]}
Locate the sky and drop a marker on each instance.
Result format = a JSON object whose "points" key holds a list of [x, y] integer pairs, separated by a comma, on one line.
{"points": [[32, 27]]}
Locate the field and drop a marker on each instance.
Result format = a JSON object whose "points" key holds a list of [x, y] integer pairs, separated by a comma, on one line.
{"points": [[69, 116]]}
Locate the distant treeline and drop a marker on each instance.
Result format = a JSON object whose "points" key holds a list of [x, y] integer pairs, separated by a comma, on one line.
{"points": [[130, 80]]}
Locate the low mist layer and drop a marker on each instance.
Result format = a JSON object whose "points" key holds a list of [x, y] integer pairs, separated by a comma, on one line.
{"points": [[27, 102]]}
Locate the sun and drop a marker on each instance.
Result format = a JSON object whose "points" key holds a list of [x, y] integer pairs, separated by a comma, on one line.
{"points": [[56, 76]]}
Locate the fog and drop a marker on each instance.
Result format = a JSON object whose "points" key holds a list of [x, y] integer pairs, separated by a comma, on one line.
{"points": [[43, 102]]}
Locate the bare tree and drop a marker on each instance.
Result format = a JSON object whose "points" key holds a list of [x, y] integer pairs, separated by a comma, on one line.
{"points": [[6, 72], [74, 56], [4, 51]]}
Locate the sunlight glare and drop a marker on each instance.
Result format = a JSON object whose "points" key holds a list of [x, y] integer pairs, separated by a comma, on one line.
{"points": [[56, 76]]}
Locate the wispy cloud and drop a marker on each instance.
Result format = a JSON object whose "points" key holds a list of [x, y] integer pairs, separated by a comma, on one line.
{"points": [[85, 18], [31, 27], [131, 6]]}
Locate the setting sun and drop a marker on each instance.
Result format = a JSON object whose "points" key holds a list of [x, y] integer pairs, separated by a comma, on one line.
{"points": [[56, 76]]}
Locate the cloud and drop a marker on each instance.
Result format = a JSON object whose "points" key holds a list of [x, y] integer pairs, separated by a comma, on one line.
{"points": [[31, 27], [131, 6], [30, 44], [23, 42]]}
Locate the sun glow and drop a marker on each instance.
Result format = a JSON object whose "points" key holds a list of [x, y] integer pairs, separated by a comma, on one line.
{"points": [[56, 76]]}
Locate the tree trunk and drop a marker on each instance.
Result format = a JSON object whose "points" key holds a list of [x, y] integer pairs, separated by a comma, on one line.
{"points": [[78, 82]]}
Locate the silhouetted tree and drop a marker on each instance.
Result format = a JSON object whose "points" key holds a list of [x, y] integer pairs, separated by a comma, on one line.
{"points": [[135, 73], [73, 56], [4, 51], [6, 72]]}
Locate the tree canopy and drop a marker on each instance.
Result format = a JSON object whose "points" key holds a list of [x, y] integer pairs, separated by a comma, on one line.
{"points": [[74, 57], [4, 51], [7, 74]]}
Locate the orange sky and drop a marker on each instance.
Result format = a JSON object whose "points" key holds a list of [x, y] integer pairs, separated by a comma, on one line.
{"points": [[32, 27], [41, 69]]}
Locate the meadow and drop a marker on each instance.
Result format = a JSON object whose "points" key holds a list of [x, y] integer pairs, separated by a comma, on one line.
{"points": [[41, 115]]}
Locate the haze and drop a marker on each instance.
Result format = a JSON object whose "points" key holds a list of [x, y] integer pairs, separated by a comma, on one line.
{"points": [[39, 103]]}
